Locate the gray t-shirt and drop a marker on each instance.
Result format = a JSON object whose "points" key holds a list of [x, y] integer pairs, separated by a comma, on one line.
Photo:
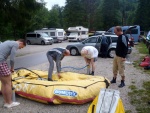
{"points": [[8, 48]]}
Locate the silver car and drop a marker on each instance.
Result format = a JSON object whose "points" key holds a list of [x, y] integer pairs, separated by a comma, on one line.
{"points": [[75, 48], [38, 38]]}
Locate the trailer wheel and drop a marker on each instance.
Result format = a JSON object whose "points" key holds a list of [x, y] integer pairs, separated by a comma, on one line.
{"points": [[28, 42]]}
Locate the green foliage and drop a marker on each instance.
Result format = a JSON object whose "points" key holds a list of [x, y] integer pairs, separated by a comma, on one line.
{"points": [[73, 13], [21, 16], [39, 20], [128, 8], [55, 17], [17, 14], [110, 13], [142, 14]]}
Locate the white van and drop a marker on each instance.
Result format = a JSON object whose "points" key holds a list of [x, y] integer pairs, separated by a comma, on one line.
{"points": [[38, 38], [57, 34], [77, 33]]}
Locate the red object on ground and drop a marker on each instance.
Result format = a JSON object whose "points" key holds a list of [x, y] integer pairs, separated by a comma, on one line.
{"points": [[145, 62]]}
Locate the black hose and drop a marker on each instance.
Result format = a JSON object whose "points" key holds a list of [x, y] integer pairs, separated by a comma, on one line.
{"points": [[29, 70]]}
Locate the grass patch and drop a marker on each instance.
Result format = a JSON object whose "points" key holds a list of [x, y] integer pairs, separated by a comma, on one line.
{"points": [[142, 48], [132, 87], [128, 111], [143, 51], [140, 97]]}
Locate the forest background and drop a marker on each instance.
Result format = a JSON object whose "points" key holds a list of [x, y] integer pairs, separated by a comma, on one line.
{"points": [[18, 17]]}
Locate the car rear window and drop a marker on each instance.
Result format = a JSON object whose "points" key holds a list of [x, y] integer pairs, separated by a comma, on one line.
{"points": [[91, 40], [133, 31], [31, 35]]}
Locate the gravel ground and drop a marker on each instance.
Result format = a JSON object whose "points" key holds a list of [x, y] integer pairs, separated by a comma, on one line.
{"points": [[103, 68]]}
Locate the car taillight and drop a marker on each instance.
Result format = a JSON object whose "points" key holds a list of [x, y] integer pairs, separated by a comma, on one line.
{"points": [[129, 44], [131, 39]]}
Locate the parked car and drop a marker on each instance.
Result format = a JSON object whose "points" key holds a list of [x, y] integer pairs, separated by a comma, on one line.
{"points": [[99, 32], [95, 41], [38, 38], [57, 34]]}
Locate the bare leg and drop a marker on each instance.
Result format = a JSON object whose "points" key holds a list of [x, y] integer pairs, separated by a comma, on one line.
{"points": [[123, 77], [93, 64], [6, 89], [86, 60]]}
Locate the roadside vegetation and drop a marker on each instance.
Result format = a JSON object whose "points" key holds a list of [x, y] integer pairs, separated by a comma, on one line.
{"points": [[143, 51], [21, 16], [140, 97]]}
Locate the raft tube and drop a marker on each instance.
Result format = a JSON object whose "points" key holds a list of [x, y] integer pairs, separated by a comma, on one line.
{"points": [[73, 88]]}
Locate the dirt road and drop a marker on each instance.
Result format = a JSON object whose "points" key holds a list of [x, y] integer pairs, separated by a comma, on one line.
{"points": [[103, 68]]}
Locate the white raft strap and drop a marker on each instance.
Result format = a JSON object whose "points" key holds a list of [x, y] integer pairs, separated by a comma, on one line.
{"points": [[107, 101]]}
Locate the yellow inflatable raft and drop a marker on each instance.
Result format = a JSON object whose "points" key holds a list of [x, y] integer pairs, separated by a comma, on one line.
{"points": [[72, 88]]}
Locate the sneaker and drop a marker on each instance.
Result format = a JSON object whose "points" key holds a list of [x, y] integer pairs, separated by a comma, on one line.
{"points": [[11, 105]]}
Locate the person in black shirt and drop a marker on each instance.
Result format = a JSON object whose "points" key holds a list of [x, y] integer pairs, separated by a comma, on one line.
{"points": [[121, 52], [104, 46]]}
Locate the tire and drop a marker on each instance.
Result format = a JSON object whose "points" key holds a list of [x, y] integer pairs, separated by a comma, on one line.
{"points": [[74, 51], [111, 53], [28, 42], [51, 43], [42, 43]]}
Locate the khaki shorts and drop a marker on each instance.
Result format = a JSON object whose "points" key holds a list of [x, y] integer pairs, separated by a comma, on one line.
{"points": [[118, 65]]}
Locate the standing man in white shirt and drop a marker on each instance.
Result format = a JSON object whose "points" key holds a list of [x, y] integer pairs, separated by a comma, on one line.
{"points": [[90, 55]]}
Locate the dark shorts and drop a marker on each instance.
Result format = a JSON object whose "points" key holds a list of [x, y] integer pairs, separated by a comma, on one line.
{"points": [[95, 59], [4, 69]]}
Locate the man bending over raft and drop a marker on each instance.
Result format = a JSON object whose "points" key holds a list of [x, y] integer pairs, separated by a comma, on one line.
{"points": [[90, 55], [56, 54]]}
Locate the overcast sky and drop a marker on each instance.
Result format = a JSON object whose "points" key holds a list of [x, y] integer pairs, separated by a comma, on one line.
{"points": [[50, 3]]}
